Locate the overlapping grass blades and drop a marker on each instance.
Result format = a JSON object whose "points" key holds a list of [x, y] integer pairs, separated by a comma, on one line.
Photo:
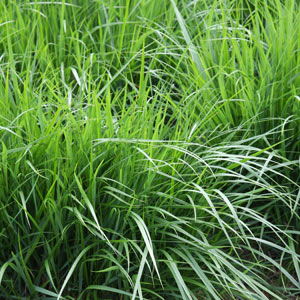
{"points": [[149, 151]]}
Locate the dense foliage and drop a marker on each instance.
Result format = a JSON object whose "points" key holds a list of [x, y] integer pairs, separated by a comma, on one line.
{"points": [[149, 149]]}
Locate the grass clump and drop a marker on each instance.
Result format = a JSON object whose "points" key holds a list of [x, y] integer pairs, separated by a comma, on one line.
{"points": [[149, 151]]}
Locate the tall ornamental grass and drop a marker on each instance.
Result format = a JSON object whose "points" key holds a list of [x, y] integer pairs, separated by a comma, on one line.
{"points": [[149, 149]]}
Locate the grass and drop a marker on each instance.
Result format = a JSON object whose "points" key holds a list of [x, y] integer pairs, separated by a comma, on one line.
{"points": [[149, 151]]}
